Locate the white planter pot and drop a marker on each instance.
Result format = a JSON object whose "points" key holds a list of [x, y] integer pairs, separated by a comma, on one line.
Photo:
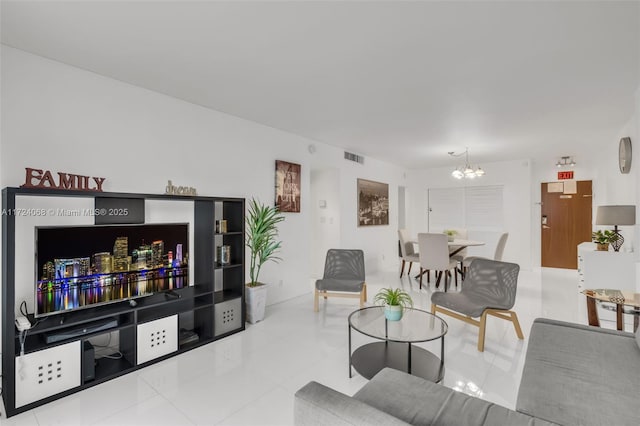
{"points": [[256, 300]]}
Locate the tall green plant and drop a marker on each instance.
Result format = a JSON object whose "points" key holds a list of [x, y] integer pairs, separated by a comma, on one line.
{"points": [[262, 231]]}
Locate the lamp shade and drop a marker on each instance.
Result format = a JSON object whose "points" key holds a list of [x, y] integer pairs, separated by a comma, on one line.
{"points": [[616, 215]]}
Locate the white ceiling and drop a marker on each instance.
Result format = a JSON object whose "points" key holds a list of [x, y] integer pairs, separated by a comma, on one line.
{"points": [[404, 82]]}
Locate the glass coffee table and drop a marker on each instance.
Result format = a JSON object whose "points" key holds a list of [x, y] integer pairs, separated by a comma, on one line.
{"points": [[395, 348]]}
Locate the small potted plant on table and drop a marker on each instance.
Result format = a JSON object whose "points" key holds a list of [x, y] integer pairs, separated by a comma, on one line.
{"points": [[450, 233], [603, 238], [395, 300]]}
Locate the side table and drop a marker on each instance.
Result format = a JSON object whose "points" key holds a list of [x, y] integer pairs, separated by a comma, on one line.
{"points": [[620, 298], [395, 348]]}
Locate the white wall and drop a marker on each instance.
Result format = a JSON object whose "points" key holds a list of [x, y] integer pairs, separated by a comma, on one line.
{"points": [[514, 176], [62, 118], [380, 243], [325, 221], [609, 185]]}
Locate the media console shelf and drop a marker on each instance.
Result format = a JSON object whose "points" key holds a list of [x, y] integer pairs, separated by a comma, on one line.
{"points": [[59, 358]]}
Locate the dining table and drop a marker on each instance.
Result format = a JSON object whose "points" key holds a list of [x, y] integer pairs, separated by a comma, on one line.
{"points": [[457, 245]]}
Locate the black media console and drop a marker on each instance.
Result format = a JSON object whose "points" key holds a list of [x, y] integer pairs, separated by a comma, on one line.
{"points": [[59, 358]]}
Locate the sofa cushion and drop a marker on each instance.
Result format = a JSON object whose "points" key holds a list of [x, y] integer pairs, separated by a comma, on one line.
{"points": [[420, 402], [580, 375]]}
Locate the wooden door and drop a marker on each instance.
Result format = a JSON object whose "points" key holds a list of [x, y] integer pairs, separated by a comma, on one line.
{"points": [[565, 223]]}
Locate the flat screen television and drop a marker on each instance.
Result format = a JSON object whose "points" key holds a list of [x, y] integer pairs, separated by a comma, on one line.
{"points": [[79, 267]]}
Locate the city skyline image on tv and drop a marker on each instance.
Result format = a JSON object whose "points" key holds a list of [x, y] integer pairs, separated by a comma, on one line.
{"points": [[81, 266]]}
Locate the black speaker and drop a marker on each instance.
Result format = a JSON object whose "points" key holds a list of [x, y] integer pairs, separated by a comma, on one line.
{"points": [[88, 362]]}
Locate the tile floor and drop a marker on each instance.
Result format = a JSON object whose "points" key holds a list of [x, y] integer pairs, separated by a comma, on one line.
{"points": [[250, 378]]}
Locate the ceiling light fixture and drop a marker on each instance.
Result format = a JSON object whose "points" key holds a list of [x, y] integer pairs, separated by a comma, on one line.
{"points": [[467, 171], [565, 161]]}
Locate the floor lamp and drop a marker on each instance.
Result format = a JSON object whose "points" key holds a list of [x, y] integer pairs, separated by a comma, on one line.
{"points": [[616, 216]]}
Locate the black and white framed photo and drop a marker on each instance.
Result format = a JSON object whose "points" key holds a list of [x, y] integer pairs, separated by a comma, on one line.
{"points": [[373, 203]]}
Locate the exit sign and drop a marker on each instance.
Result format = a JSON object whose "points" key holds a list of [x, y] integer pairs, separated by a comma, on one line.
{"points": [[565, 175]]}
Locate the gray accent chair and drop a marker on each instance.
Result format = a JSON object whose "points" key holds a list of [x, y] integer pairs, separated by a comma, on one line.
{"points": [[344, 276], [573, 375], [407, 251], [433, 250], [489, 288]]}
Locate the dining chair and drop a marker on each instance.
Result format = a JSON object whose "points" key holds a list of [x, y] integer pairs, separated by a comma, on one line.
{"points": [[407, 251], [497, 255], [463, 234], [433, 251], [343, 276], [489, 288]]}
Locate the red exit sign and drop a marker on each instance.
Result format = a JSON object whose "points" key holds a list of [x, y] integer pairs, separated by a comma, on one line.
{"points": [[565, 175]]}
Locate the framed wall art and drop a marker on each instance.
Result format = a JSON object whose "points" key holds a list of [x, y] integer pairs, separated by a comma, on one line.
{"points": [[288, 186], [373, 203]]}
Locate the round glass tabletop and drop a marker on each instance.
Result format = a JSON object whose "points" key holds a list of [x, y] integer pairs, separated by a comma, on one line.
{"points": [[416, 325]]}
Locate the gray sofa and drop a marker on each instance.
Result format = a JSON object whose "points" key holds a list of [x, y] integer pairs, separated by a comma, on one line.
{"points": [[573, 375]]}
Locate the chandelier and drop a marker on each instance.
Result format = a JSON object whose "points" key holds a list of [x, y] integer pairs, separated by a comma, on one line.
{"points": [[467, 171]]}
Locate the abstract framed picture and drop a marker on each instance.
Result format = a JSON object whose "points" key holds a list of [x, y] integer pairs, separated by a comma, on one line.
{"points": [[288, 186], [373, 203]]}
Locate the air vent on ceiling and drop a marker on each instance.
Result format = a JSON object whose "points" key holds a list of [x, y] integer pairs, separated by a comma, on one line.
{"points": [[353, 157]]}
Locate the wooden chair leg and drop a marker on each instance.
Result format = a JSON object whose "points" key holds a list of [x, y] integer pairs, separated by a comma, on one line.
{"points": [[433, 308], [421, 272], [316, 296], [364, 292], [483, 324], [516, 325], [428, 276], [409, 271], [402, 269], [438, 278], [455, 273]]}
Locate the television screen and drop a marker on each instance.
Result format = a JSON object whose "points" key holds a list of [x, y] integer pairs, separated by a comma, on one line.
{"points": [[85, 266]]}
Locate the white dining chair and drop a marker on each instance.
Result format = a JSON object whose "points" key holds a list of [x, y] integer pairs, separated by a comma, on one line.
{"points": [[497, 255], [462, 234], [407, 251], [433, 251]]}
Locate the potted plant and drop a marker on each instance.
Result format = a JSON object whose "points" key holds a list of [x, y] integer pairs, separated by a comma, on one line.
{"points": [[603, 238], [261, 232], [394, 301], [450, 234]]}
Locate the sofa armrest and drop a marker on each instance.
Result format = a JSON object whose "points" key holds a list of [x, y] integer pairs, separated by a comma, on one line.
{"points": [[578, 375], [316, 404]]}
